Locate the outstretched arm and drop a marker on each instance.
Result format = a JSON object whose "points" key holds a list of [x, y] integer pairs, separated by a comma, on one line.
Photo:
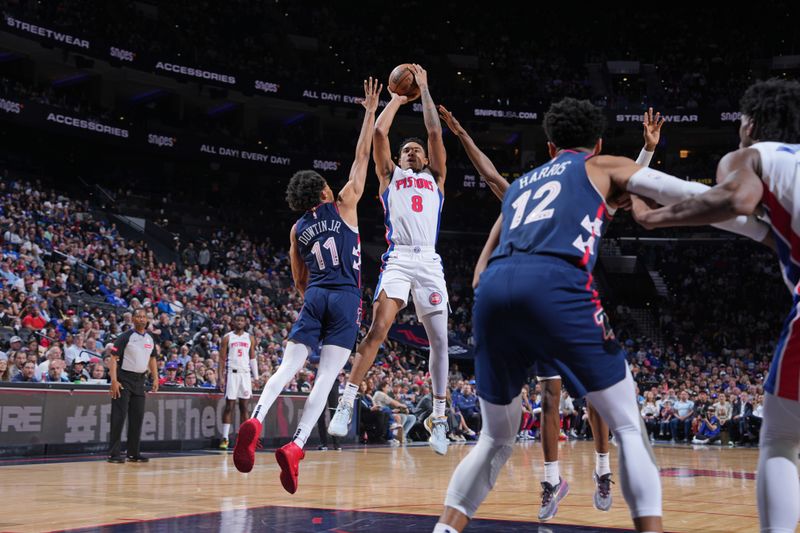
{"points": [[382, 151], [299, 268], [491, 244], [652, 134], [437, 155], [739, 192], [354, 188], [497, 183]]}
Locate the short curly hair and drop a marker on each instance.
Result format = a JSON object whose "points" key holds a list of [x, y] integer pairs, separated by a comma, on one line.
{"points": [[774, 108], [304, 189], [571, 123]]}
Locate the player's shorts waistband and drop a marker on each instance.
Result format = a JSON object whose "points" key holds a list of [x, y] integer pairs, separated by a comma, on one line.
{"points": [[413, 249], [534, 259]]}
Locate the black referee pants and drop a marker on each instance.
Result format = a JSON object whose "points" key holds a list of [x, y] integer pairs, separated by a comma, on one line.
{"points": [[130, 405]]}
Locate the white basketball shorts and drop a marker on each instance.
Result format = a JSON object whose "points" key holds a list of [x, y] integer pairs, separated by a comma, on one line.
{"points": [[416, 270], [238, 385]]}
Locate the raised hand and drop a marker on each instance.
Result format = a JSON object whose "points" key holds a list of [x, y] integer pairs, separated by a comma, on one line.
{"points": [[452, 123], [420, 75], [372, 93], [398, 98], [652, 129]]}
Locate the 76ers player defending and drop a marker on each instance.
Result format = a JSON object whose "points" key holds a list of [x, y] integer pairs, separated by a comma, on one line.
{"points": [[535, 301], [237, 362], [412, 195], [764, 173], [326, 261]]}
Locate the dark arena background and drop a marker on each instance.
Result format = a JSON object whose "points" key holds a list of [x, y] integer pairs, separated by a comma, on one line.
{"points": [[145, 152]]}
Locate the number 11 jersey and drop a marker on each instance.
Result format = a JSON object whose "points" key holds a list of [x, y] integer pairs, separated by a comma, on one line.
{"points": [[330, 248]]}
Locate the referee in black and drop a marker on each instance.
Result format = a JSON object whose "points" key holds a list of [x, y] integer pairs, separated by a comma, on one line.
{"points": [[132, 354]]}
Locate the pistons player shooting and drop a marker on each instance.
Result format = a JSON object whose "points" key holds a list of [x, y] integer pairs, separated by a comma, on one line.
{"points": [[412, 194]]}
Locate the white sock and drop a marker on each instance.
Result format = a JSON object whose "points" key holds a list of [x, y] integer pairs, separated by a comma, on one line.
{"points": [[226, 430], [293, 359], [444, 528], [301, 435], [438, 407], [331, 360], [551, 473], [601, 464], [349, 396]]}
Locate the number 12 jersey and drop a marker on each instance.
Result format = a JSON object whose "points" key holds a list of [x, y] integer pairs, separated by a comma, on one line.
{"points": [[555, 210]]}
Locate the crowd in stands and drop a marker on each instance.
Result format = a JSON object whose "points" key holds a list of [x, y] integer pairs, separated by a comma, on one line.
{"points": [[69, 282]]}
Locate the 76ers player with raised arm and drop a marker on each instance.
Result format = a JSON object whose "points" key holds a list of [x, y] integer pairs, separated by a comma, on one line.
{"points": [[763, 175], [326, 266], [412, 195]]}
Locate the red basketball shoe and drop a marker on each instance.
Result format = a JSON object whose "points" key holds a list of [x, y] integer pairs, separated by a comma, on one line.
{"points": [[289, 458], [244, 454]]}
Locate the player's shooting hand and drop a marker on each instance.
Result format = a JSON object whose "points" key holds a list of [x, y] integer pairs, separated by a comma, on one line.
{"points": [[116, 386], [372, 93], [452, 123], [652, 129], [400, 99], [420, 75]]}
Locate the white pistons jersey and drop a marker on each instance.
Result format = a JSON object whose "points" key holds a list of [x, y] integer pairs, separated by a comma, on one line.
{"points": [[412, 206], [239, 351], [780, 165]]}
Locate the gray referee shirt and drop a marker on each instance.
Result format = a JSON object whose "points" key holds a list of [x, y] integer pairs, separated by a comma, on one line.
{"points": [[134, 351]]}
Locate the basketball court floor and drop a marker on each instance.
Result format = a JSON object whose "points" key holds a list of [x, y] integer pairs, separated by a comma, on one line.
{"points": [[376, 489]]}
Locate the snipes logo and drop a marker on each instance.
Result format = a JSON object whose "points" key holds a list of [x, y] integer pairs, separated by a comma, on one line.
{"points": [[162, 141], [10, 107], [122, 54]]}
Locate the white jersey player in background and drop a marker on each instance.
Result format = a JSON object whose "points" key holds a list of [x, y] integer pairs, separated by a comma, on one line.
{"points": [[762, 176], [412, 194], [237, 364]]}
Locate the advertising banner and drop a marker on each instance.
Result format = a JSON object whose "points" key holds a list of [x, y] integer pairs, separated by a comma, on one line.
{"points": [[50, 416]]}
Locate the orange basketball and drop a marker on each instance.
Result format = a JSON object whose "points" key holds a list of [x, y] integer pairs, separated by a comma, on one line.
{"points": [[401, 81]]}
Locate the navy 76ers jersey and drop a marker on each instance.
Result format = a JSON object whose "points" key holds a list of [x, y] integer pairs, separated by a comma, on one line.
{"points": [[330, 248], [554, 210]]}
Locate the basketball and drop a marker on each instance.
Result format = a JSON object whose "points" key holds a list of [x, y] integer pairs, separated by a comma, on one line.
{"points": [[401, 81]]}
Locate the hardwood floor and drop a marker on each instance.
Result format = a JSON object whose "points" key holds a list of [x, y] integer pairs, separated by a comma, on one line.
{"points": [[706, 490]]}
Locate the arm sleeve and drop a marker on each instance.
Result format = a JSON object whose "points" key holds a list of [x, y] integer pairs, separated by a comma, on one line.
{"points": [[644, 158], [668, 190], [254, 368]]}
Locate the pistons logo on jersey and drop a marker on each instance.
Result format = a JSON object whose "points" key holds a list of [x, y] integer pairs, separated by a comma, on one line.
{"points": [[435, 298]]}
